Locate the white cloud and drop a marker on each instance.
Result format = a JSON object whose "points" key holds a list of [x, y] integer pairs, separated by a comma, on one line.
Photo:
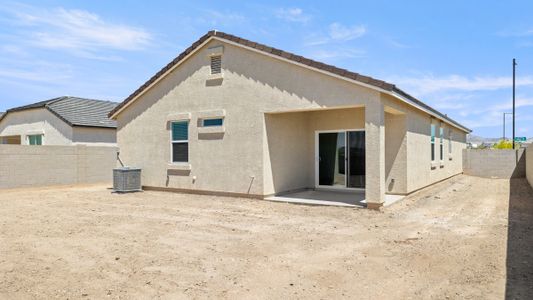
{"points": [[508, 105], [325, 54], [216, 18], [75, 30], [339, 32], [430, 84], [515, 33], [293, 15]]}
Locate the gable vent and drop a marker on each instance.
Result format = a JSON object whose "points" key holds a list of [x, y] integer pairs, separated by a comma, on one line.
{"points": [[216, 64]]}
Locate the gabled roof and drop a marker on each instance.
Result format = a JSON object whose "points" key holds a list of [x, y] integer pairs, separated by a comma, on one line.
{"points": [[75, 111], [332, 70]]}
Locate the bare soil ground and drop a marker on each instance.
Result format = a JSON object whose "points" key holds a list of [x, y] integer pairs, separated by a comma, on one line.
{"points": [[447, 241]]}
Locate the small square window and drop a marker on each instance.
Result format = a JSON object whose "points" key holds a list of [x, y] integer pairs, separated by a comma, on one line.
{"points": [[35, 140], [212, 122]]}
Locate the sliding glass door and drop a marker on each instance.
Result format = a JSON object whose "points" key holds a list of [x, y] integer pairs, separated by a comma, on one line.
{"points": [[341, 159]]}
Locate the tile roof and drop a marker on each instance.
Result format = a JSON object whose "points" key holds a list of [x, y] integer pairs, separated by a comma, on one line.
{"points": [[285, 55], [75, 111]]}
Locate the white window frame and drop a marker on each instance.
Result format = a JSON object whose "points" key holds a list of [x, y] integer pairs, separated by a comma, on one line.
{"points": [[327, 187], [172, 142], [36, 134]]}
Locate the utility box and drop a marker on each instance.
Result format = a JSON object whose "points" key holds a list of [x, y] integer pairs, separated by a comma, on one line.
{"points": [[126, 180]]}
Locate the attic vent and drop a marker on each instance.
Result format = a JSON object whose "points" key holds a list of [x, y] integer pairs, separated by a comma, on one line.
{"points": [[216, 64]]}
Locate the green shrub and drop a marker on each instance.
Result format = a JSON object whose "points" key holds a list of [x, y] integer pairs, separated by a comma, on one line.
{"points": [[504, 144]]}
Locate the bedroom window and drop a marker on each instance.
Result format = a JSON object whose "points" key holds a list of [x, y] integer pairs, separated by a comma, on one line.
{"points": [[180, 142], [433, 129]]}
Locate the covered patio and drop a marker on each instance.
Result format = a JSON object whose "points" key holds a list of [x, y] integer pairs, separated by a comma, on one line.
{"points": [[345, 156]]}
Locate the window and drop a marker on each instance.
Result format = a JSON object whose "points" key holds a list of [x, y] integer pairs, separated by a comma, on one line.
{"points": [[35, 139], [212, 122], [433, 142], [180, 141], [450, 141], [441, 133], [216, 64]]}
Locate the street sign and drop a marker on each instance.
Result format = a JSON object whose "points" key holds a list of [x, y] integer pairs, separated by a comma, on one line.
{"points": [[520, 139]]}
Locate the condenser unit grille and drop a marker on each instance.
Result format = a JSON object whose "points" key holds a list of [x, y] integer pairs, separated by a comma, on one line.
{"points": [[126, 180]]}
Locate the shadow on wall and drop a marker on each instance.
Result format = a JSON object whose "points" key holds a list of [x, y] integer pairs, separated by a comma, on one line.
{"points": [[519, 283], [520, 170]]}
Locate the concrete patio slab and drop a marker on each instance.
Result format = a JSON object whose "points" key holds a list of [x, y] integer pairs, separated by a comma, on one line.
{"points": [[331, 198]]}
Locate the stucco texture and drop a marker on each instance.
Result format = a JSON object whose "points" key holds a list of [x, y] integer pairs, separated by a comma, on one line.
{"points": [[272, 110]]}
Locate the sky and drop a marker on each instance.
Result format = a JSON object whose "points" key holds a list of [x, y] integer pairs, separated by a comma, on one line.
{"points": [[454, 55]]}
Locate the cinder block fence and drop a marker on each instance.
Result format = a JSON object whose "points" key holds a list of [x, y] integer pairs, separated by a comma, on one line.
{"points": [[25, 166], [492, 163]]}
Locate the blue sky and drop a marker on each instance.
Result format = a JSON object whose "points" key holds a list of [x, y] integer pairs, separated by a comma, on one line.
{"points": [[453, 55]]}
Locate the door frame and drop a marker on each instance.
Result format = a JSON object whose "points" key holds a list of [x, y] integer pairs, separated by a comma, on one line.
{"points": [[326, 187]]}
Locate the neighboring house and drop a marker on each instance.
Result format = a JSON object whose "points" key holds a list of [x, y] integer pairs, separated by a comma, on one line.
{"points": [[60, 121], [233, 117]]}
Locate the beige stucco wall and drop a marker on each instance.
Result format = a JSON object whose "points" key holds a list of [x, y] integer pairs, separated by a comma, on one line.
{"points": [[36, 121], [529, 164], [420, 170], [94, 136], [259, 152], [396, 153], [23, 166]]}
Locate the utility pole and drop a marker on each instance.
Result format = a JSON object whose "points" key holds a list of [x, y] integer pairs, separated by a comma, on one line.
{"points": [[514, 102]]}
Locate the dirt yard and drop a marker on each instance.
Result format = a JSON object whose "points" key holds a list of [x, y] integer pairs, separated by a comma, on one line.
{"points": [[447, 241]]}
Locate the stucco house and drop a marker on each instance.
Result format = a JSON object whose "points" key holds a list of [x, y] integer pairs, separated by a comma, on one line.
{"points": [[60, 121], [229, 116]]}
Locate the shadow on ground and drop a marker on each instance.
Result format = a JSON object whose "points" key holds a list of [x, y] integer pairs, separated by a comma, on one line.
{"points": [[520, 241]]}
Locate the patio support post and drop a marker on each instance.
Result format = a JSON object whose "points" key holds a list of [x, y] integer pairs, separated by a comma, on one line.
{"points": [[375, 154]]}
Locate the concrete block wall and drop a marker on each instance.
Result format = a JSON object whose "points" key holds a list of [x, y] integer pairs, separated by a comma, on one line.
{"points": [[29, 166], [529, 164], [494, 163]]}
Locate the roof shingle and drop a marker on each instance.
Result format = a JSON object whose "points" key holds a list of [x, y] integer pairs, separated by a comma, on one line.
{"points": [[75, 111]]}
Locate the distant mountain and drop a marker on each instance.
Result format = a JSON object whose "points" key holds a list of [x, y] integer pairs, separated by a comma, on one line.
{"points": [[474, 139]]}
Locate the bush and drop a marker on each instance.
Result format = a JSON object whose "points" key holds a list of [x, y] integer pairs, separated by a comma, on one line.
{"points": [[504, 144]]}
